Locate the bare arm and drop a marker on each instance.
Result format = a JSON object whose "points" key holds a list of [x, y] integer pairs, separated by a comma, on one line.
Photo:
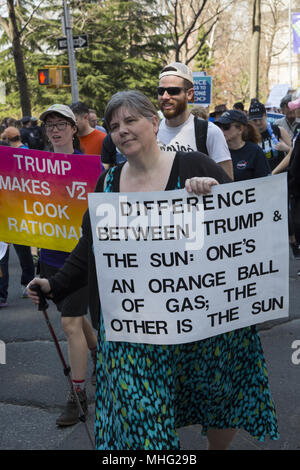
{"points": [[200, 184], [285, 142]]}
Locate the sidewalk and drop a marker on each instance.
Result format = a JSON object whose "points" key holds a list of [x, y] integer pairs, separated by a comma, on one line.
{"points": [[33, 387]]}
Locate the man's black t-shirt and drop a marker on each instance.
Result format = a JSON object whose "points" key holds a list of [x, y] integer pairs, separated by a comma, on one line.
{"points": [[274, 157]]}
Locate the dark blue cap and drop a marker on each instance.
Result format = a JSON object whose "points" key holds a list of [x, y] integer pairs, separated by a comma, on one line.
{"points": [[25, 119], [234, 115], [257, 110]]}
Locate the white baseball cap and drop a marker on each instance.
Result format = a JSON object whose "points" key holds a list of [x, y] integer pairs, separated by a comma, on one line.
{"points": [[62, 109], [179, 70]]}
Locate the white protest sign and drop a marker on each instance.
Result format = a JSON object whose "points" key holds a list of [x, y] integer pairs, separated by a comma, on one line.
{"points": [[202, 89], [175, 267], [3, 248]]}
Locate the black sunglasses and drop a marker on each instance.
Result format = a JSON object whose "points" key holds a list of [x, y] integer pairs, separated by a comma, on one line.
{"points": [[171, 90]]}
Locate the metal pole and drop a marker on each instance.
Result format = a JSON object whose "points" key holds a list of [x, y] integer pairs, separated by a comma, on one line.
{"points": [[71, 53], [290, 45]]}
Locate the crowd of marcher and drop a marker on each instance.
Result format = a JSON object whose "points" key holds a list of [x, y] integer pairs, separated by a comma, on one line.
{"points": [[183, 147]]}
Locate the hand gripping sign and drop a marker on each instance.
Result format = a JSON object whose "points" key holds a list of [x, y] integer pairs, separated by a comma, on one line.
{"points": [[175, 267], [2, 352]]}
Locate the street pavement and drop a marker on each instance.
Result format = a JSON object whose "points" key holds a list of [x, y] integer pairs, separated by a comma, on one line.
{"points": [[33, 387]]}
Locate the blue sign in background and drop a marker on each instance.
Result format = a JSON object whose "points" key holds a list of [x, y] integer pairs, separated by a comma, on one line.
{"points": [[202, 90], [272, 117]]}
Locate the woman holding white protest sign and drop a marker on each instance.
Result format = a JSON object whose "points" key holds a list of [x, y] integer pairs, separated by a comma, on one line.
{"points": [[60, 126], [145, 391]]}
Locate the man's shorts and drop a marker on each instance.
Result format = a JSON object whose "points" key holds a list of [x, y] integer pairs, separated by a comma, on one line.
{"points": [[75, 304]]}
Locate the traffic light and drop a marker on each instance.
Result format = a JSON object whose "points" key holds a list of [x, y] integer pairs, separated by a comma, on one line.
{"points": [[44, 76]]}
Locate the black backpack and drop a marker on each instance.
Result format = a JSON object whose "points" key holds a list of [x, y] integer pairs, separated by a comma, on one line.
{"points": [[201, 126]]}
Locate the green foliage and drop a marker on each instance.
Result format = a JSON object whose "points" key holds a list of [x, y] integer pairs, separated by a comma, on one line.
{"points": [[125, 50]]}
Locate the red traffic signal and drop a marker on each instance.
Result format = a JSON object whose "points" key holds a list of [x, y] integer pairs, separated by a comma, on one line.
{"points": [[44, 76]]}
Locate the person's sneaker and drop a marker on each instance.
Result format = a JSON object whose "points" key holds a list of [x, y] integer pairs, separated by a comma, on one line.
{"points": [[70, 415], [295, 250], [35, 259], [298, 273], [3, 303], [24, 293], [93, 377]]}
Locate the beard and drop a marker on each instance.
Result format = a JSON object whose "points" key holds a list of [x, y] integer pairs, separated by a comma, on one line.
{"points": [[179, 107]]}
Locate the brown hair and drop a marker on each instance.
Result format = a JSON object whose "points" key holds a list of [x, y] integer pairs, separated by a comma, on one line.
{"points": [[250, 132], [76, 141], [12, 134]]}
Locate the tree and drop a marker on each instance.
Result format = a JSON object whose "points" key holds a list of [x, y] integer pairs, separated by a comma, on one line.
{"points": [[126, 50], [273, 40], [229, 46], [255, 47], [186, 19]]}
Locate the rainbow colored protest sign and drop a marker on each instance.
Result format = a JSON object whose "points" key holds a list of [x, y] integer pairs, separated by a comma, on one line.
{"points": [[43, 196]]}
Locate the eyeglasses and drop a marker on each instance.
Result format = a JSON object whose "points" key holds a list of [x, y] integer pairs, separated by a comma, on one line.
{"points": [[171, 90], [60, 126]]}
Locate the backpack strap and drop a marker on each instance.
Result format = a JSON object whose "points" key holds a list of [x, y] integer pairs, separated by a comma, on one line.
{"points": [[201, 126]]}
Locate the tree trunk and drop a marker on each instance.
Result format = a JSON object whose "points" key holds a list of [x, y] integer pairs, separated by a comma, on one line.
{"points": [[255, 45], [19, 61]]}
